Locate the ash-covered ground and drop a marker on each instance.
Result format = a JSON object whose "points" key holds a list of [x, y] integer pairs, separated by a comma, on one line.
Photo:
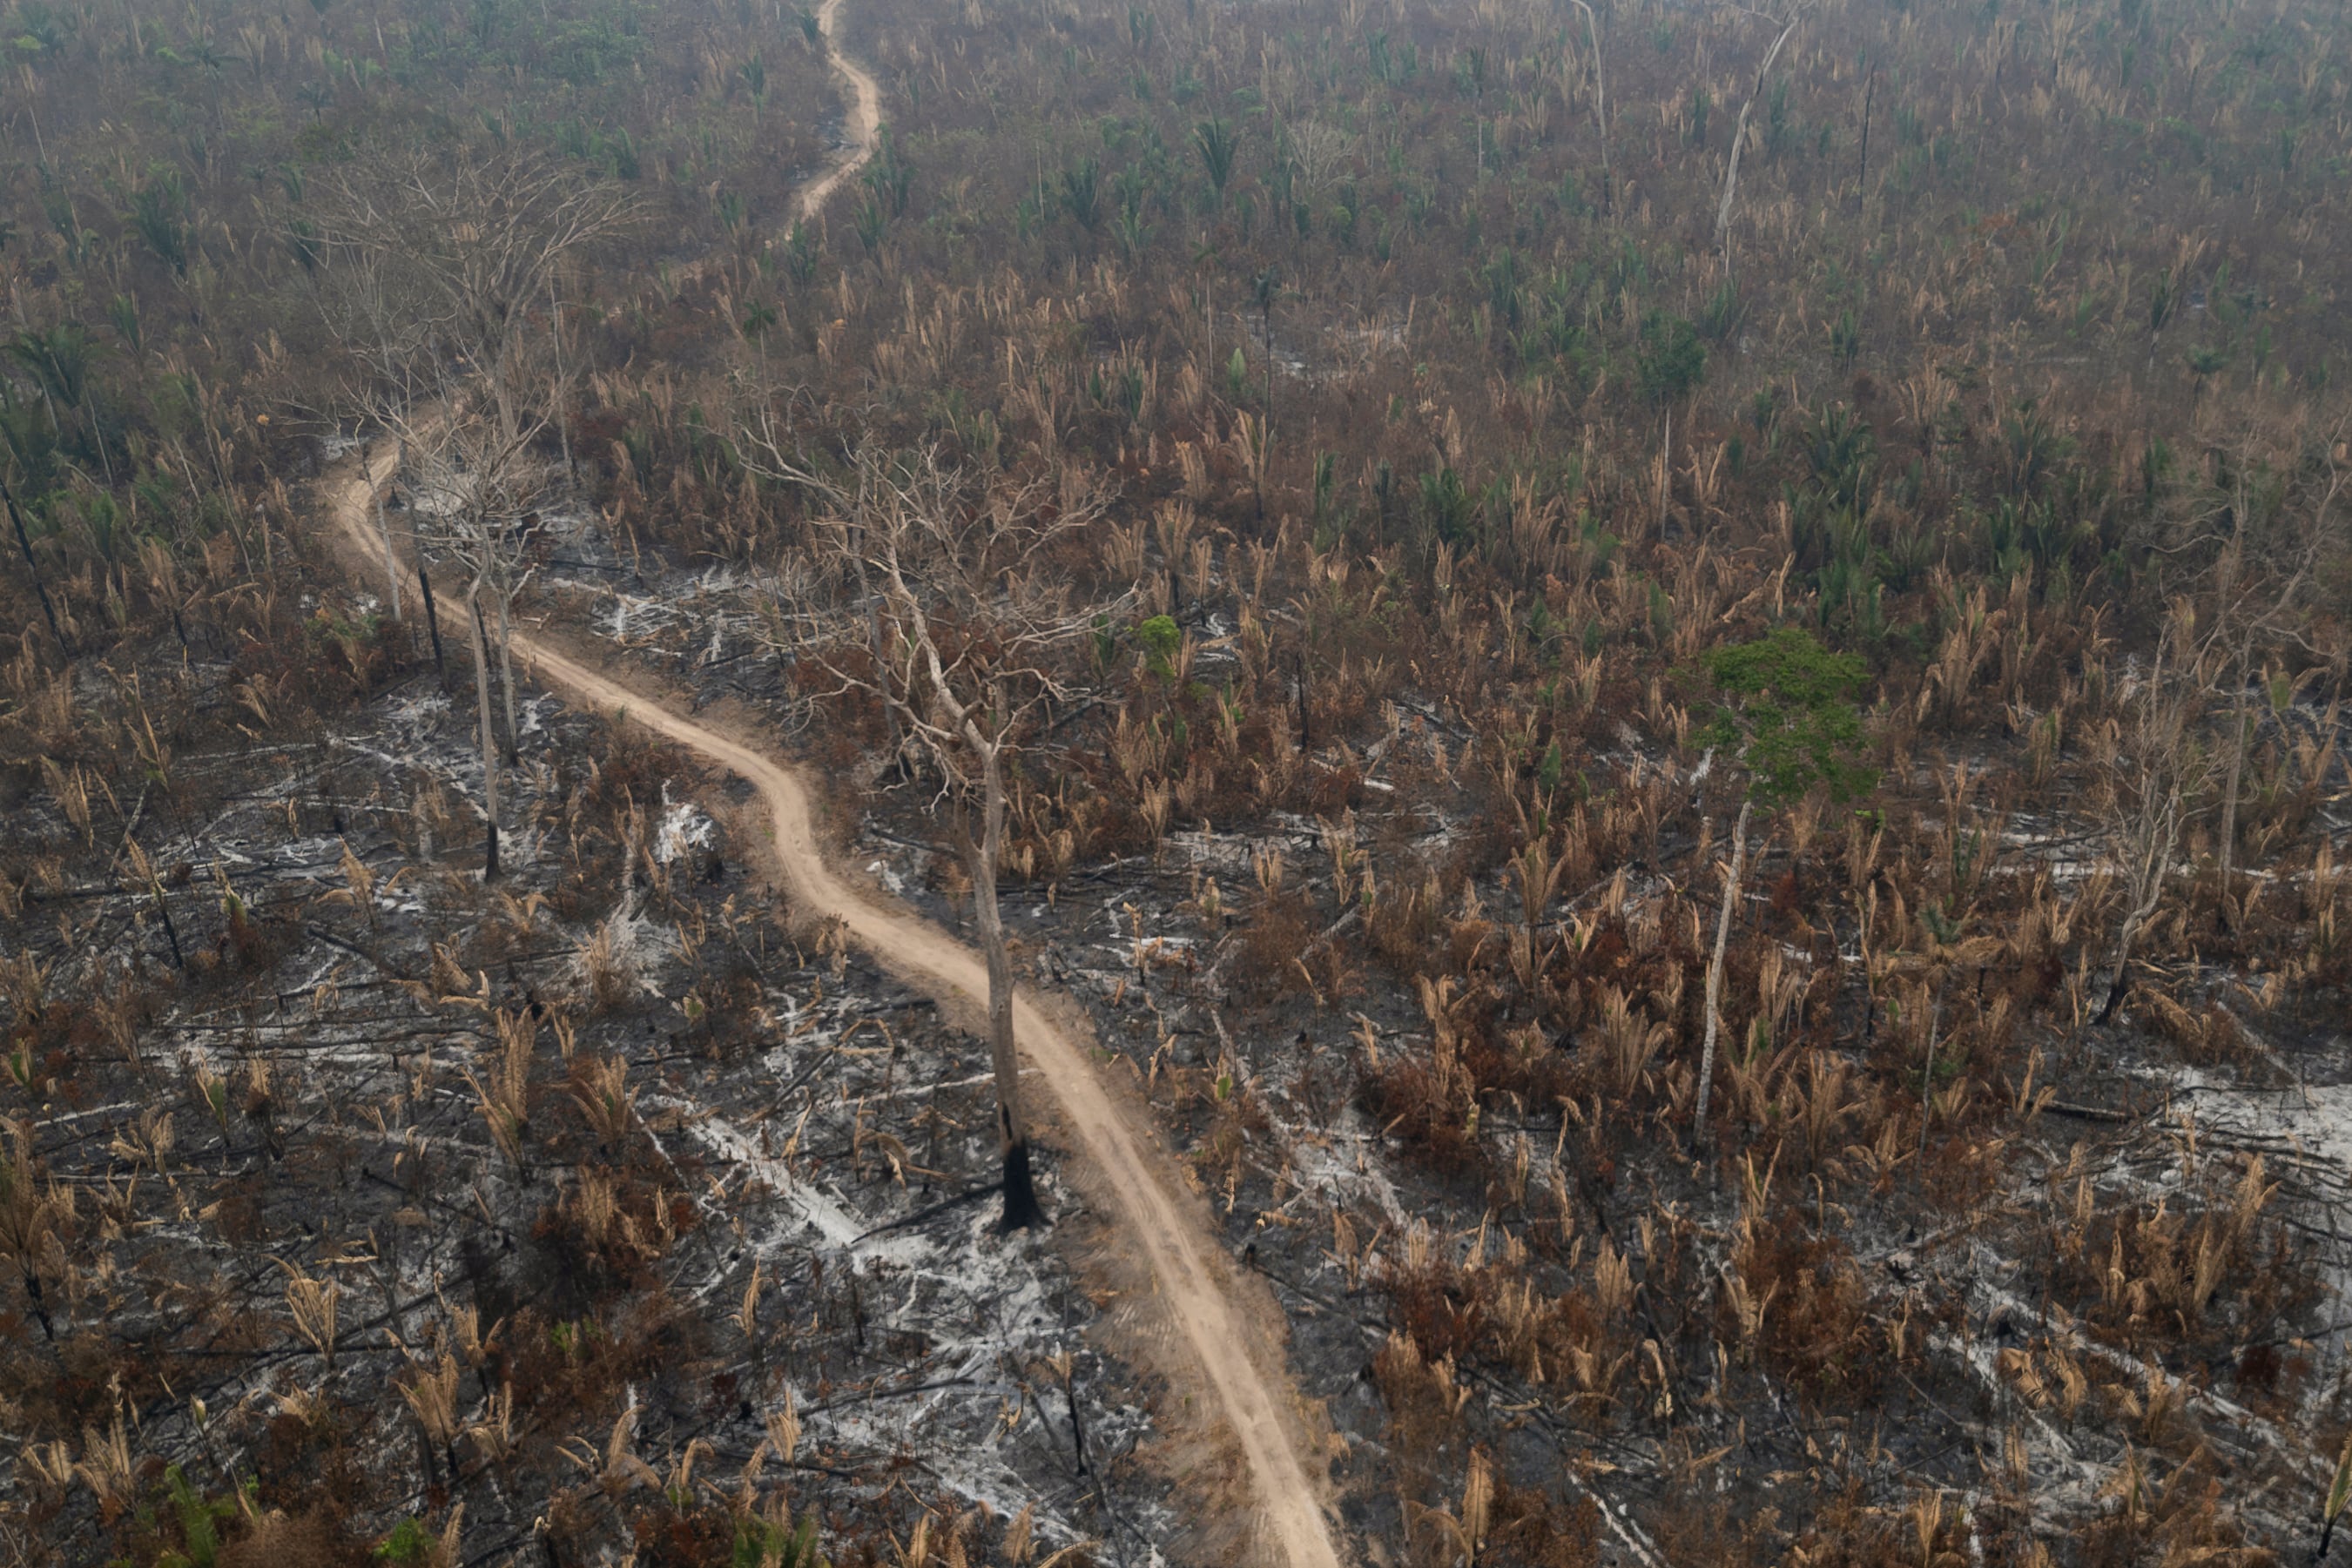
{"points": [[596, 1202], [2085, 1296]]}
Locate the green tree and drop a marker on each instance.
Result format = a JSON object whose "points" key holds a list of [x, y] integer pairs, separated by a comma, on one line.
{"points": [[1786, 712], [1670, 361]]}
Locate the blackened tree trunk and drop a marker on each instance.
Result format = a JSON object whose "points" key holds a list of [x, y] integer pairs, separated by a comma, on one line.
{"points": [[1022, 1209], [25, 546], [432, 615], [391, 555]]}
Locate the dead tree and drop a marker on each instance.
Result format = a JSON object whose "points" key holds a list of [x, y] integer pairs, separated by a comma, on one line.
{"points": [[471, 246], [943, 595], [443, 284], [2267, 526], [2160, 766], [1740, 139], [33, 567], [474, 493], [1600, 104]]}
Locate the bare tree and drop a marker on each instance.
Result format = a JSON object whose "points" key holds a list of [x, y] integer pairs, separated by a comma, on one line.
{"points": [[471, 246], [943, 594], [1739, 137], [475, 493], [2159, 767], [2267, 524], [1600, 102], [1318, 151], [443, 288]]}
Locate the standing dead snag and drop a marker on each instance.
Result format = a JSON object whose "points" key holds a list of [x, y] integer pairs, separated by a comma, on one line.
{"points": [[1600, 104], [1740, 139], [2160, 767], [938, 592], [449, 257], [33, 567], [441, 263], [476, 491], [2263, 530]]}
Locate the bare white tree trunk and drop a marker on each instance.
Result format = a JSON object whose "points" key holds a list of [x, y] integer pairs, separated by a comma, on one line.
{"points": [[489, 740], [507, 683], [1739, 143], [1715, 968], [555, 331], [1021, 1207], [1600, 105]]}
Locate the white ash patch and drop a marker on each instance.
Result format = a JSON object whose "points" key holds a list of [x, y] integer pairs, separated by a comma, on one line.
{"points": [[684, 826]]}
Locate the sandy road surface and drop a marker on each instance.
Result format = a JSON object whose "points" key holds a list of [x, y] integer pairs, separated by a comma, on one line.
{"points": [[1231, 1360], [1215, 1331], [864, 125]]}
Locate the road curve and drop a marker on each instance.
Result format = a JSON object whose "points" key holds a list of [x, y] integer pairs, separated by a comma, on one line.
{"points": [[1135, 1177], [1149, 1218], [1190, 1276], [864, 122]]}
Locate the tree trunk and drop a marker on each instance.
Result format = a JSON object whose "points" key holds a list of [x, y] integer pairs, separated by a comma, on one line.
{"points": [[899, 759], [555, 329], [1714, 970], [2147, 896], [1862, 175], [507, 686], [1599, 104], [2122, 970], [391, 555], [1738, 142], [25, 545], [1021, 1207], [432, 614], [2230, 792], [490, 738]]}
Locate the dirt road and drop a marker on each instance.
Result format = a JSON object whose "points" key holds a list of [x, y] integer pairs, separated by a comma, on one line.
{"points": [[1225, 1352], [1189, 1275], [1150, 1219], [863, 127]]}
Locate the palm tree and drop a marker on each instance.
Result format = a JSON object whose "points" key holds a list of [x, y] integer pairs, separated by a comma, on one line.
{"points": [[755, 78], [155, 213], [1265, 289], [1218, 144], [59, 359], [1082, 195], [2204, 363]]}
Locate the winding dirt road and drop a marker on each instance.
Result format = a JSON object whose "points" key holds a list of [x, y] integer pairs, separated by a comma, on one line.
{"points": [[864, 125], [1226, 1352], [1131, 1173]]}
